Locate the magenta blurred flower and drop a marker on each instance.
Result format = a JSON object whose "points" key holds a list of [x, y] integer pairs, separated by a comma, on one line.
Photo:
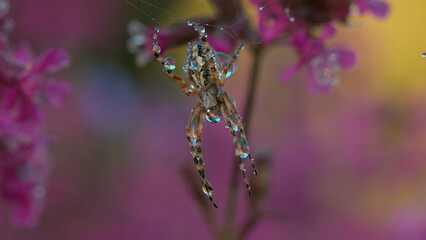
{"points": [[379, 8], [295, 19], [24, 164], [323, 63], [273, 20]]}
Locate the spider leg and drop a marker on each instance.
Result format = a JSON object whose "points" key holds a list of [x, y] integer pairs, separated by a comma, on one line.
{"points": [[229, 66], [233, 122], [187, 87], [194, 133], [203, 35]]}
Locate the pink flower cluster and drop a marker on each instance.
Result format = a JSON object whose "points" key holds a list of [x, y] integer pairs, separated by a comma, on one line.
{"points": [[297, 18], [24, 87]]}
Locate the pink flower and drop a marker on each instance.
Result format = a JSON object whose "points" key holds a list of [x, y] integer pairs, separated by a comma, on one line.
{"points": [[24, 164], [323, 63], [273, 20], [379, 8]]}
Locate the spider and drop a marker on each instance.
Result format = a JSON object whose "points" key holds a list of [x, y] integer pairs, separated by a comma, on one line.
{"points": [[206, 77]]}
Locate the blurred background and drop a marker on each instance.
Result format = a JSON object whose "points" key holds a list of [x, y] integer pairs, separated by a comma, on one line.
{"points": [[347, 165]]}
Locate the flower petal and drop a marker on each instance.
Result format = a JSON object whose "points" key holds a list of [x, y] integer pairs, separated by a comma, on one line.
{"points": [[53, 60], [314, 88], [57, 92], [23, 53], [346, 58], [379, 8]]}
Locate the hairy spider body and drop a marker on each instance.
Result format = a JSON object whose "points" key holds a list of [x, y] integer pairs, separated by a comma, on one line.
{"points": [[206, 77]]}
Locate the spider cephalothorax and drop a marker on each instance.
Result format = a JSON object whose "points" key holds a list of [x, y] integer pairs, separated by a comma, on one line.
{"points": [[206, 76]]}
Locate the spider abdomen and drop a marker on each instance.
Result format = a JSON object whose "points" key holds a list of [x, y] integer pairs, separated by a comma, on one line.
{"points": [[209, 97]]}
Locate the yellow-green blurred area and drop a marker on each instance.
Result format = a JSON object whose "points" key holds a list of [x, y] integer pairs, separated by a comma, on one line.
{"points": [[347, 165]]}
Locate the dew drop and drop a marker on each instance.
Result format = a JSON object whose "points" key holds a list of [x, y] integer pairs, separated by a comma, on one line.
{"points": [[287, 11], [222, 60], [156, 48], [213, 116], [170, 63], [190, 23], [207, 192], [185, 66], [261, 8], [233, 122], [193, 132], [202, 29], [189, 89], [242, 148], [424, 55]]}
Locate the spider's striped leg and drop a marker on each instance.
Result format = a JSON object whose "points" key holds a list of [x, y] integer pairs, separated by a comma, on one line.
{"points": [[194, 132], [187, 87], [203, 35], [233, 122], [229, 66]]}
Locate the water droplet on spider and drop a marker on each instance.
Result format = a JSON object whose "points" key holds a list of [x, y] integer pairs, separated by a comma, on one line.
{"points": [[222, 60], [170, 63], [185, 66], [213, 116], [208, 193], [242, 148], [202, 29], [233, 122], [195, 65], [156, 48], [193, 131], [189, 89], [424, 55], [190, 23]]}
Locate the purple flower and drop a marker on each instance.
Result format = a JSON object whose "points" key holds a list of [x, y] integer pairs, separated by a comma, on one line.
{"points": [[379, 8], [273, 20], [323, 63], [24, 163]]}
